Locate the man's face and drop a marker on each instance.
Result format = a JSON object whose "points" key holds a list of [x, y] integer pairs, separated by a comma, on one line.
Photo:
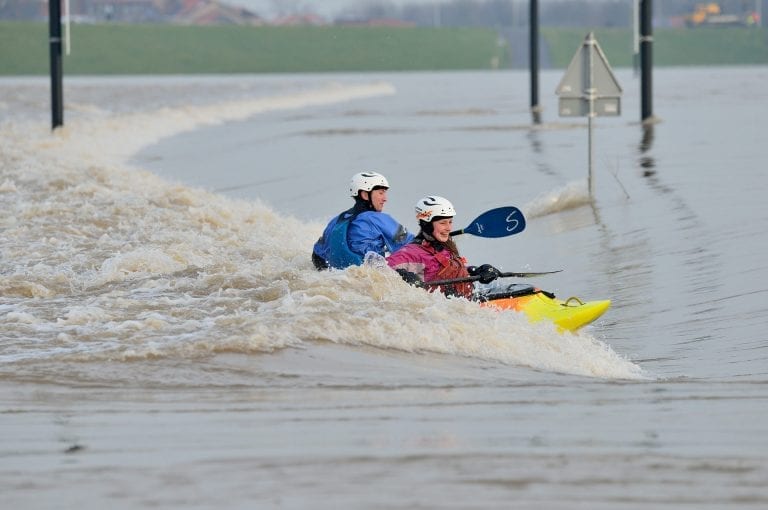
{"points": [[378, 199]]}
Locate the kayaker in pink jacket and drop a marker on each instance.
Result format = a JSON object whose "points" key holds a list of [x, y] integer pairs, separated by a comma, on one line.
{"points": [[433, 255]]}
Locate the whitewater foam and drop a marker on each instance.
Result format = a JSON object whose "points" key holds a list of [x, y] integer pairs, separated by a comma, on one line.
{"points": [[572, 195], [105, 262]]}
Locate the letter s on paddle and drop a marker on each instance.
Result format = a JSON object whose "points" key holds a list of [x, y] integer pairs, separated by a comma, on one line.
{"points": [[514, 222]]}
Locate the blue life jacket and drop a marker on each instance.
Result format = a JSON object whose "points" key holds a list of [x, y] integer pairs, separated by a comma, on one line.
{"points": [[352, 234], [339, 255]]}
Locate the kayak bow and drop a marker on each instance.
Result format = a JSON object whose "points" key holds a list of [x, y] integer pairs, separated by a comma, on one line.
{"points": [[569, 315]]}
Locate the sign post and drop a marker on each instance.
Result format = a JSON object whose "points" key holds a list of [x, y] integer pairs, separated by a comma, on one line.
{"points": [[589, 89], [57, 87]]}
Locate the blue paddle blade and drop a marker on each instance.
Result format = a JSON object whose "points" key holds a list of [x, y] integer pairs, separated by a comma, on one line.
{"points": [[499, 222]]}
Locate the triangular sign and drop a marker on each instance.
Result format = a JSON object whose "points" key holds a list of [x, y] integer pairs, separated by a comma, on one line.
{"points": [[578, 79]]}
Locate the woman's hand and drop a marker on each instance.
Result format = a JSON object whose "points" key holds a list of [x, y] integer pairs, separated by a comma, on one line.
{"points": [[486, 272]]}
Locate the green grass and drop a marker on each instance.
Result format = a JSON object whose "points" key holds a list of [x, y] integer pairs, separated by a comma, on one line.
{"points": [[712, 46], [671, 47], [169, 49], [164, 49]]}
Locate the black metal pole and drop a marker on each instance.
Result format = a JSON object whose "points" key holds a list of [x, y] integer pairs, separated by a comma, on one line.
{"points": [[57, 88], [533, 20], [646, 60]]}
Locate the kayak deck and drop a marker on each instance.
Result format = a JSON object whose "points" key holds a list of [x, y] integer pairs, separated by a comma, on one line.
{"points": [[570, 315]]}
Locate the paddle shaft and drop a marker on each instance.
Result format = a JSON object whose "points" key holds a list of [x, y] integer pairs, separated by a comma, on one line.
{"points": [[475, 278]]}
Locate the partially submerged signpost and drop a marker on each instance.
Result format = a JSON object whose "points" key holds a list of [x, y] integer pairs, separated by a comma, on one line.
{"points": [[57, 87], [589, 89]]}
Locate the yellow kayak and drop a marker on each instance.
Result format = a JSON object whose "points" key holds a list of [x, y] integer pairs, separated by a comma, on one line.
{"points": [[538, 305]]}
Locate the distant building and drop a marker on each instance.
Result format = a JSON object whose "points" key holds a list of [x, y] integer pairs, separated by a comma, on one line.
{"points": [[188, 12], [207, 12], [300, 20], [375, 22]]}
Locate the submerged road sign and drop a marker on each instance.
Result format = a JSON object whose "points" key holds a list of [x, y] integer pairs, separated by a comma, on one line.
{"points": [[589, 89], [589, 86]]}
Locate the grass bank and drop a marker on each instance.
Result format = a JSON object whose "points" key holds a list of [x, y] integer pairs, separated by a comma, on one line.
{"points": [[671, 47], [169, 49]]}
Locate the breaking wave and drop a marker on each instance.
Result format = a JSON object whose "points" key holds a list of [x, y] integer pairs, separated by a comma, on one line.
{"points": [[105, 262]]}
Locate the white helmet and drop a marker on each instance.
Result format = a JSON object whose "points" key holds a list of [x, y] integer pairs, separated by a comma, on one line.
{"points": [[429, 208], [366, 181]]}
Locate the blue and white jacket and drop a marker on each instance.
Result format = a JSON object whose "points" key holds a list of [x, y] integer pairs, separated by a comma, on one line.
{"points": [[353, 233]]}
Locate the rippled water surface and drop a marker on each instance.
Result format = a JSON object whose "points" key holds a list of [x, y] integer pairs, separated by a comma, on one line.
{"points": [[162, 327]]}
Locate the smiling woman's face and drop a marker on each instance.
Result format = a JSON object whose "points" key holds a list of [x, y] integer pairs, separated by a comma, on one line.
{"points": [[442, 229]]}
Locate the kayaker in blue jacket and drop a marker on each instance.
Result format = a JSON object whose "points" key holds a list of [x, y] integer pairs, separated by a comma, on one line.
{"points": [[363, 228]]}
